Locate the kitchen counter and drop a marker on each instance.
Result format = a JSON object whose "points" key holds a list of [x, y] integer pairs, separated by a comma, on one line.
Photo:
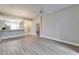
{"points": [[11, 33]]}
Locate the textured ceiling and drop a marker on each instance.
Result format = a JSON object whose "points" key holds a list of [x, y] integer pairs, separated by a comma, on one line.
{"points": [[30, 10]]}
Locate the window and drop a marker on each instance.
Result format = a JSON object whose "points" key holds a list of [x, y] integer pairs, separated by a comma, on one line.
{"points": [[11, 24]]}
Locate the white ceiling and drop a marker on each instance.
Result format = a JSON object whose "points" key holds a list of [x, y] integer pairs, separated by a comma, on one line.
{"points": [[30, 10]]}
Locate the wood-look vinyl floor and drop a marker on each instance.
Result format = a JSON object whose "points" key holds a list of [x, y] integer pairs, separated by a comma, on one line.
{"points": [[31, 45]]}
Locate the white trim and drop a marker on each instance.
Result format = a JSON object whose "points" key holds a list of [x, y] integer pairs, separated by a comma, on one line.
{"points": [[70, 43]]}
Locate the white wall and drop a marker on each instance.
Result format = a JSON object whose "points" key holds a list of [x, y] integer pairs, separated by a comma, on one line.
{"points": [[27, 26], [51, 27], [70, 24], [63, 25]]}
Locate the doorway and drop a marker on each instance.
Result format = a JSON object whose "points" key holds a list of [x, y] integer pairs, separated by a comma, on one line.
{"points": [[38, 29]]}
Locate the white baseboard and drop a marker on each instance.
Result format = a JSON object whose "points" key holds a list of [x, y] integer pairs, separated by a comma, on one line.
{"points": [[70, 43]]}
